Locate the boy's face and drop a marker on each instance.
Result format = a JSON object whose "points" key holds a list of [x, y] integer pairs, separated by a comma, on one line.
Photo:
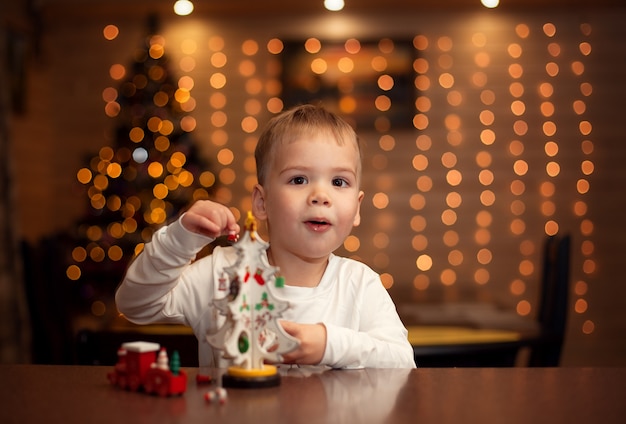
{"points": [[311, 197]]}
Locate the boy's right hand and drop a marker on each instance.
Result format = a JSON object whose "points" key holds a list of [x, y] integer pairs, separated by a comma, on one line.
{"points": [[312, 338], [210, 219]]}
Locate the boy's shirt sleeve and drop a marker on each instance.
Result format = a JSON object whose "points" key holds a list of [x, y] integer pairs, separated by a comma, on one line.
{"points": [[381, 341], [145, 293]]}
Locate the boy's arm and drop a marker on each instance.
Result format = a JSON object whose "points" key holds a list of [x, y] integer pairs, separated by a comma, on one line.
{"points": [[150, 279], [143, 294], [380, 342]]}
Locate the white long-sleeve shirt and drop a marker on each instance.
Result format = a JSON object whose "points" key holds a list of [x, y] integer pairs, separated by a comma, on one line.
{"points": [[164, 284]]}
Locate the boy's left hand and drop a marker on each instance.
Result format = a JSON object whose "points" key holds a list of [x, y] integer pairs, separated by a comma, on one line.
{"points": [[210, 219], [312, 339]]}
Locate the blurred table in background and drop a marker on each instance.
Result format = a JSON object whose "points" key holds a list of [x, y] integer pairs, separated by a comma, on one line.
{"points": [[467, 334], [442, 335], [99, 346]]}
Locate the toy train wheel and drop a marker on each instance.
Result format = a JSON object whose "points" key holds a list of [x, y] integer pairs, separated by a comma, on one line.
{"points": [[163, 389], [158, 382], [148, 387], [122, 382], [112, 378], [134, 383]]}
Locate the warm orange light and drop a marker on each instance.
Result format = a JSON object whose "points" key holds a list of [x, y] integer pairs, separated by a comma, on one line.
{"points": [[183, 7], [387, 280], [275, 46], [523, 308], [520, 127], [334, 5], [380, 200], [424, 262], [517, 287], [417, 201], [447, 277], [455, 257], [419, 243], [490, 3], [217, 80], [448, 217], [421, 282], [73, 272], [418, 223], [588, 327], [352, 243], [454, 177]]}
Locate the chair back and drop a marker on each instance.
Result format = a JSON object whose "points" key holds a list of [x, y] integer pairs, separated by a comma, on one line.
{"points": [[554, 300]]}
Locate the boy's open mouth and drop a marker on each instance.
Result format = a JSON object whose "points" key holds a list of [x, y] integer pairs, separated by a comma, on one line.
{"points": [[317, 225]]}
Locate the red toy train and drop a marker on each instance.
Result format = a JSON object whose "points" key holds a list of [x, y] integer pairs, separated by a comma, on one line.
{"points": [[139, 368]]}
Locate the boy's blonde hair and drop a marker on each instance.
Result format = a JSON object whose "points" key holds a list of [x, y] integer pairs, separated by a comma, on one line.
{"points": [[301, 121]]}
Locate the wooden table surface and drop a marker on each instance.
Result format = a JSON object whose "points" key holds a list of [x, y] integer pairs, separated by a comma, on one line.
{"points": [[82, 394]]}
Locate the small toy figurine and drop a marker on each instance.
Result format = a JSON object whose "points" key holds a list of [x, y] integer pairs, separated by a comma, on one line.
{"points": [[251, 334], [203, 379], [138, 367], [219, 394]]}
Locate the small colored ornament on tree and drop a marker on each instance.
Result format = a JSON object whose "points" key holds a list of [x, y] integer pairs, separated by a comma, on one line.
{"points": [[251, 334]]}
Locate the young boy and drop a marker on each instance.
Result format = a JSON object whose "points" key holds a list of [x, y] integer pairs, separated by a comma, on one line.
{"points": [[308, 193]]}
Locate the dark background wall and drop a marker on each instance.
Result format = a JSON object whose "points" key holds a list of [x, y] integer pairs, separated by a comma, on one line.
{"points": [[467, 124]]}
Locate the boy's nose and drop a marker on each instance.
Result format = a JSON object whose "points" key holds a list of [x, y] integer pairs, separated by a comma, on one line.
{"points": [[319, 197]]}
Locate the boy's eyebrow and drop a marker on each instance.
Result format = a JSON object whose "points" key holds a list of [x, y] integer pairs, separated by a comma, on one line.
{"points": [[337, 170]]}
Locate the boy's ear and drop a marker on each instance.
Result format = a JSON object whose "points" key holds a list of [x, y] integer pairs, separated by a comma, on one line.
{"points": [[357, 217], [258, 202]]}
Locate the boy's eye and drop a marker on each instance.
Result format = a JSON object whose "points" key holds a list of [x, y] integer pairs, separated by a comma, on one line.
{"points": [[340, 182], [298, 180]]}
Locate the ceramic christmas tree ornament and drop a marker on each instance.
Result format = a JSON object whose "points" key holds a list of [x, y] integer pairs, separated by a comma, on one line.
{"points": [[251, 334]]}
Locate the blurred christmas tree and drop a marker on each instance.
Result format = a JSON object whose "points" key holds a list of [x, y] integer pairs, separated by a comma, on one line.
{"points": [[150, 174]]}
